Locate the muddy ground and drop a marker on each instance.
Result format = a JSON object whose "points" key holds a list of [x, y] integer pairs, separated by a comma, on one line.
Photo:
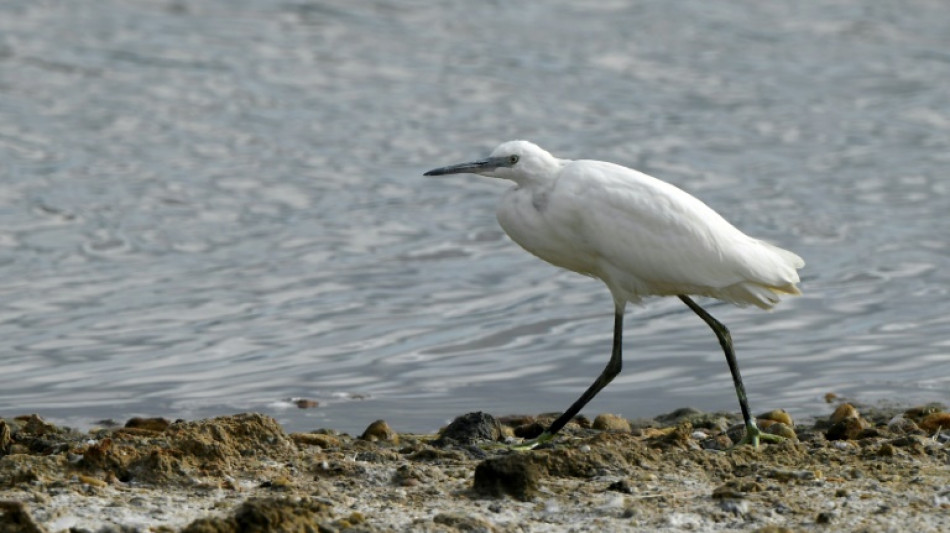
{"points": [[860, 469]]}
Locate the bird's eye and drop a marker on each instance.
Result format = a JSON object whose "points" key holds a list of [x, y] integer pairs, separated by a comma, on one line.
{"points": [[512, 159]]}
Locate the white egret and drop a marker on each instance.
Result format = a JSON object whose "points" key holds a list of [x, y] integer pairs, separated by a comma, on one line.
{"points": [[641, 237]]}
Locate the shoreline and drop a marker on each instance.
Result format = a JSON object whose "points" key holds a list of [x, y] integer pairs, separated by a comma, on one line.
{"points": [[861, 468]]}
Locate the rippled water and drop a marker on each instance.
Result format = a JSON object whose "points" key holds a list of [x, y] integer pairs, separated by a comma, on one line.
{"points": [[210, 207]]}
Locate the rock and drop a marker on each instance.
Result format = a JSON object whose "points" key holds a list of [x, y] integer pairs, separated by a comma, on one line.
{"points": [[379, 431], [321, 440], [935, 422], [470, 428], [263, 515], [921, 411], [683, 413], [36, 426], [778, 415], [151, 424], [736, 489], [621, 486], [6, 441], [304, 403], [772, 528], [91, 481], [214, 446], [15, 518], [461, 522], [847, 429], [782, 430], [900, 424], [516, 475], [529, 431], [843, 411], [611, 422], [846, 423]]}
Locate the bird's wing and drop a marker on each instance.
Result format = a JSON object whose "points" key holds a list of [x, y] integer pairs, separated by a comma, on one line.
{"points": [[653, 238]]}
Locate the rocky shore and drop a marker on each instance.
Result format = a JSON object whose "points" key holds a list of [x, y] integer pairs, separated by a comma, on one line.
{"points": [[860, 469]]}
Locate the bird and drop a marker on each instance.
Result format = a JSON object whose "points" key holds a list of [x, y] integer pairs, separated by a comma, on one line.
{"points": [[642, 237]]}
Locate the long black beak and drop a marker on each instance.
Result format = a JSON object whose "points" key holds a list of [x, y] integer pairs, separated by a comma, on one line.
{"points": [[474, 167]]}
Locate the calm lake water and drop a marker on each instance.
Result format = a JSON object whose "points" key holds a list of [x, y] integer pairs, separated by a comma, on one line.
{"points": [[213, 207]]}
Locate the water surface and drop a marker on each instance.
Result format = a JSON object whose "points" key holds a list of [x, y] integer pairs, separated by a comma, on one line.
{"points": [[212, 207]]}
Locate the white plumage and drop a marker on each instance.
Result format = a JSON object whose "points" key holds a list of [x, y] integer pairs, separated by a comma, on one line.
{"points": [[638, 234]]}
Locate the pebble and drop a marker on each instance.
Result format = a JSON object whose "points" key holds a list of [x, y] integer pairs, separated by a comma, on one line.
{"points": [[782, 430], [778, 415], [516, 475], [152, 424], [5, 440], [900, 424], [848, 428], [736, 507], [470, 428], [843, 411], [611, 422], [379, 431], [935, 422], [316, 439]]}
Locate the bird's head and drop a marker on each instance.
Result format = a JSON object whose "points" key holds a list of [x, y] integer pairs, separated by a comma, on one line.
{"points": [[519, 161]]}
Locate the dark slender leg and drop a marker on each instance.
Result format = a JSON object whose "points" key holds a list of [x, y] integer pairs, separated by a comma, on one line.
{"points": [[609, 373], [725, 340]]}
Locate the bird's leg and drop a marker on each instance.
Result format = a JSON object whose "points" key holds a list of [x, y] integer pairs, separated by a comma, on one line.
{"points": [[608, 374], [753, 433]]}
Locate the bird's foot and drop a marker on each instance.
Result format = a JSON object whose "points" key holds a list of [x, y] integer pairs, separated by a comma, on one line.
{"points": [[521, 447], [753, 434], [533, 443]]}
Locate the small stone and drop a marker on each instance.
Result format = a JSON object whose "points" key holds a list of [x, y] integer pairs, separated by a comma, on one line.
{"points": [[152, 424], [89, 480], [16, 517], [782, 430], [611, 422], [621, 486], [515, 474], [321, 440], [5, 439], [736, 507], [469, 429], [849, 428], [461, 522], [281, 483], [35, 425], [921, 411], [900, 424], [824, 517], [304, 403], [778, 415], [736, 489], [529, 431], [352, 521], [845, 410], [380, 431], [935, 422], [887, 450], [407, 476]]}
